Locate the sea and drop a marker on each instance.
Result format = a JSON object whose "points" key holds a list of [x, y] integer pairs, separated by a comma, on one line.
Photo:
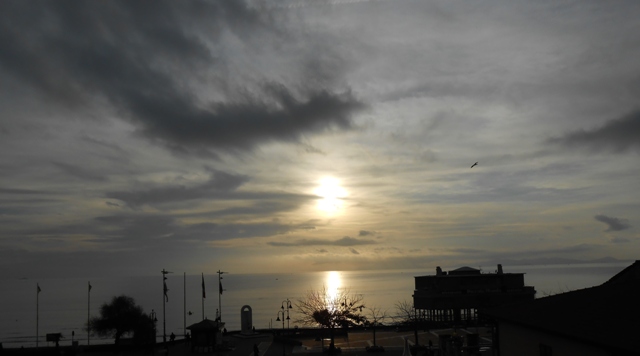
{"points": [[64, 304]]}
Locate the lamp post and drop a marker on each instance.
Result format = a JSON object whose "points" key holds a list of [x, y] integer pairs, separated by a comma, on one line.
{"points": [[278, 319], [281, 312], [286, 304]]}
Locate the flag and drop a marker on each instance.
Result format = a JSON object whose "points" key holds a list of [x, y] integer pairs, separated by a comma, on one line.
{"points": [[89, 286], [220, 282], [204, 295], [39, 290], [165, 291]]}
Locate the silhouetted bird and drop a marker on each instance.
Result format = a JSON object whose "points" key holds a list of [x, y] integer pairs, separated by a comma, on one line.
{"points": [[475, 164]]}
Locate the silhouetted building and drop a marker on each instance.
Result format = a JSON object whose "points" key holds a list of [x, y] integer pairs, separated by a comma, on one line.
{"points": [[455, 297], [602, 320], [206, 336]]}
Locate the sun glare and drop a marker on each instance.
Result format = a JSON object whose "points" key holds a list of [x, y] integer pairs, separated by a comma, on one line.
{"points": [[331, 194], [333, 283]]}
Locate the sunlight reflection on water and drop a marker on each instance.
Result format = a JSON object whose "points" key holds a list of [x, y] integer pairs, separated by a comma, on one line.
{"points": [[63, 302]]}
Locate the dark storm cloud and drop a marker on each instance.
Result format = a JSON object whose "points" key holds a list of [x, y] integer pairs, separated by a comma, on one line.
{"points": [[345, 241], [144, 60], [365, 233], [619, 135], [241, 125], [614, 224], [353, 251]]}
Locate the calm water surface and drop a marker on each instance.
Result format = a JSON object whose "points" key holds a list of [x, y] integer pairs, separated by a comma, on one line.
{"points": [[63, 304]]}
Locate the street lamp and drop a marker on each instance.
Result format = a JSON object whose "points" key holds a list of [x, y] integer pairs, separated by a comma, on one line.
{"points": [[288, 306], [281, 312], [278, 319]]}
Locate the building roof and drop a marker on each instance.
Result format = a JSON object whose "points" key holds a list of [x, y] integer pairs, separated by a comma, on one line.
{"points": [[206, 324], [464, 271], [606, 315]]}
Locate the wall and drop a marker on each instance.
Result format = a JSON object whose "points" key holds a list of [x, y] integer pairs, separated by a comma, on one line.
{"points": [[516, 340]]}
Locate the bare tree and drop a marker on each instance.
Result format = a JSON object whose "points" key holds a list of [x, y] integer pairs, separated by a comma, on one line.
{"points": [[328, 310], [375, 317], [406, 315]]}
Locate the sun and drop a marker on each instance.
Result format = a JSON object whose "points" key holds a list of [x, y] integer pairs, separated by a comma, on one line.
{"points": [[331, 195]]}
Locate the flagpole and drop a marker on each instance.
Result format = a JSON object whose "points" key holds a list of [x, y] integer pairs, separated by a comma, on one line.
{"points": [[165, 298], [203, 296], [220, 293], [89, 315], [37, 312], [184, 321]]}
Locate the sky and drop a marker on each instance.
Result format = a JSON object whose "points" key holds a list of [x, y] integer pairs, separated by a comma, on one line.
{"points": [[316, 135]]}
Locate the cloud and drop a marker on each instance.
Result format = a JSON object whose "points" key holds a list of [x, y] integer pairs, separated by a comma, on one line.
{"points": [[165, 70], [219, 184], [79, 172], [538, 254], [18, 191], [354, 251], [231, 231], [222, 187], [466, 251], [620, 240], [345, 241], [618, 135], [614, 224], [137, 231], [366, 233]]}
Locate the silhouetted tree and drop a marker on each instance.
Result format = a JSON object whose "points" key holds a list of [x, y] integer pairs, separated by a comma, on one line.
{"points": [[122, 316], [329, 310], [374, 319], [406, 315]]}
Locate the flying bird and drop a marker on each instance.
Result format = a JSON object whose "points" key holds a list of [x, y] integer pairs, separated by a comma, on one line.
{"points": [[475, 164]]}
